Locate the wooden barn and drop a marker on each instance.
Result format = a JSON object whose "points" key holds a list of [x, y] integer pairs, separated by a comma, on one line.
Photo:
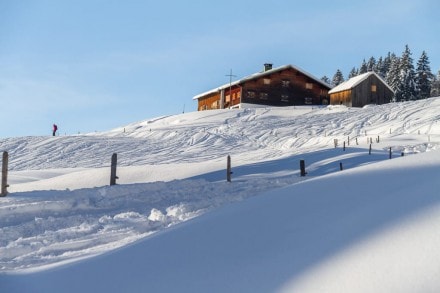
{"points": [[361, 90], [283, 86]]}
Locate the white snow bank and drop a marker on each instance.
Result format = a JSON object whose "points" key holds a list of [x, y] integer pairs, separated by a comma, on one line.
{"points": [[369, 229]]}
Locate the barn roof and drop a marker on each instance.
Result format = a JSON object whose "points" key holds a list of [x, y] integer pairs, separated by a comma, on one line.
{"points": [[258, 75], [354, 81]]}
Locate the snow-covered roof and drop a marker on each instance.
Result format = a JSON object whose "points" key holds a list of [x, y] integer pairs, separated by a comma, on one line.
{"points": [[258, 75], [354, 81]]}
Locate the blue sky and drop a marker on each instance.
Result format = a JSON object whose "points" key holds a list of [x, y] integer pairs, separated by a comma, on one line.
{"points": [[95, 65]]}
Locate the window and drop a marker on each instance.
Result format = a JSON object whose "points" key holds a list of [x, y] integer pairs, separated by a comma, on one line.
{"points": [[284, 98], [264, 96], [373, 88], [308, 101], [285, 83], [309, 85], [251, 94], [266, 80]]}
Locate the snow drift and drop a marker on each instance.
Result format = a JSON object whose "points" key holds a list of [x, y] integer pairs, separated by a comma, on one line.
{"points": [[368, 228]]}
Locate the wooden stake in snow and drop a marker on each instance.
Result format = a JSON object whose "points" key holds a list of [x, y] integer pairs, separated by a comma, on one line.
{"points": [[369, 152], [5, 174], [340, 166], [228, 169], [113, 176], [391, 153], [302, 167]]}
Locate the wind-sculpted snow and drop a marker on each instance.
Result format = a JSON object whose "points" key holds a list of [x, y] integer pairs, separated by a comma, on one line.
{"points": [[172, 169], [254, 134], [52, 227]]}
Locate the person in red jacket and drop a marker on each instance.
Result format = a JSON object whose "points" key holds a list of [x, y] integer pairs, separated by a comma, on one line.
{"points": [[55, 128]]}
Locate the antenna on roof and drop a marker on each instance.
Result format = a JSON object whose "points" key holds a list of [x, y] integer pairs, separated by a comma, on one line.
{"points": [[230, 76], [230, 84]]}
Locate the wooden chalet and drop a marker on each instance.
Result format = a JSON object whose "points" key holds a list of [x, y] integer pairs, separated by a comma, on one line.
{"points": [[361, 90], [283, 86]]}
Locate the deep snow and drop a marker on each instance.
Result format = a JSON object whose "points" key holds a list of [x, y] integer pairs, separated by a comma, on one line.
{"points": [[368, 228]]}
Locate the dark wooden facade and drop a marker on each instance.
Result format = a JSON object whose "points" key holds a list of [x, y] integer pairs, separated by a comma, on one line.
{"points": [[365, 89], [283, 86]]}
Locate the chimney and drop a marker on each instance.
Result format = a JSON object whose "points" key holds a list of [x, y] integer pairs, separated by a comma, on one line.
{"points": [[267, 66]]}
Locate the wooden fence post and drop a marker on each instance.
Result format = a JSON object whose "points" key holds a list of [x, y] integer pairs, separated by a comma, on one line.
{"points": [[343, 147], [340, 166], [228, 169], [369, 152], [302, 167], [5, 174], [113, 176], [391, 153]]}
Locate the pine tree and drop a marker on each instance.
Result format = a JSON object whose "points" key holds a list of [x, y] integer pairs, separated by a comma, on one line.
{"points": [[393, 78], [326, 79], [386, 65], [338, 78], [371, 64], [378, 67], [354, 72], [424, 77], [363, 68], [407, 76], [383, 66]]}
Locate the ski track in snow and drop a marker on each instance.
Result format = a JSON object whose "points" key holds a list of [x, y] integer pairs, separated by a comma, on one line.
{"points": [[41, 228]]}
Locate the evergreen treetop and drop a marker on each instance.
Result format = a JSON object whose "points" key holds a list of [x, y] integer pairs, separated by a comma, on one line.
{"points": [[338, 78], [424, 77]]}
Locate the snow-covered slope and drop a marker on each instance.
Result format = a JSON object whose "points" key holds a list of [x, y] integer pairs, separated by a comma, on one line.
{"points": [[204, 139], [336, 233], [171, 169]]}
